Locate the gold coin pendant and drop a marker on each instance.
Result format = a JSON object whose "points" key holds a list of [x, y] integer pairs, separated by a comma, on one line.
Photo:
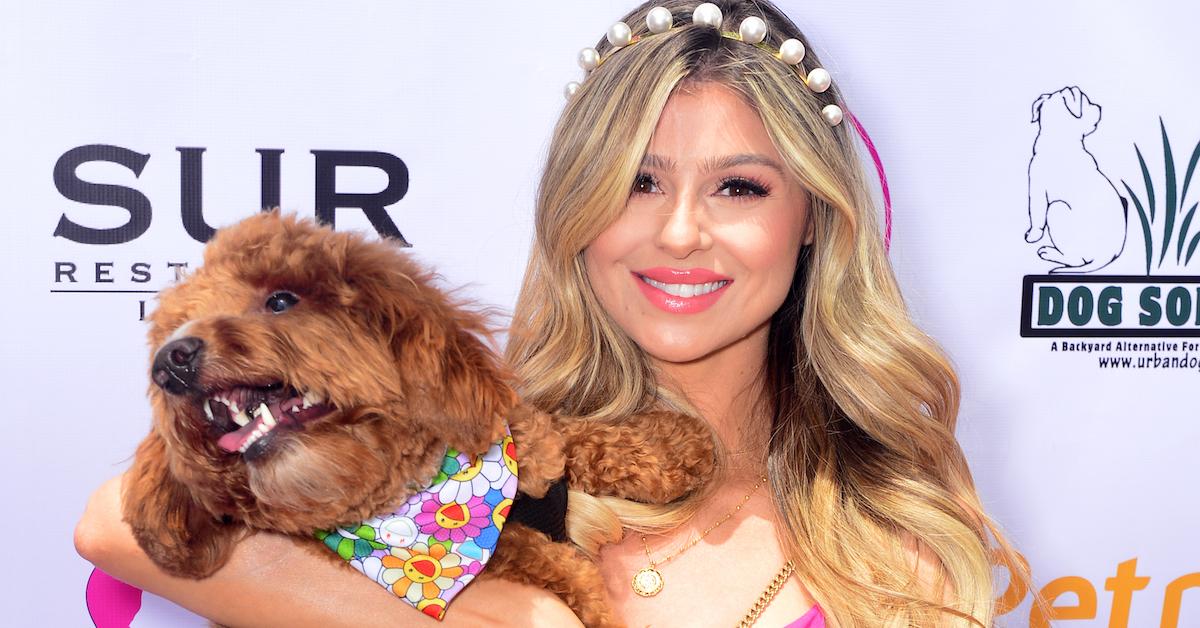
{"points": [[647, 582]]}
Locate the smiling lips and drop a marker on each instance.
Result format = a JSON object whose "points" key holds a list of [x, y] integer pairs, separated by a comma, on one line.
{"points": [[681, 291]]}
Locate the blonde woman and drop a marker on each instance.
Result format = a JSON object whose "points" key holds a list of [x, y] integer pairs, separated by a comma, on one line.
{"points": [[705, 241]]}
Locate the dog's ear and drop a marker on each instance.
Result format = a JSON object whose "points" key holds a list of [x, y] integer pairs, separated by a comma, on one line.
{"points": [[1073, 102], [466, 391], [175, 532], [449, 377], [1037, 106]]}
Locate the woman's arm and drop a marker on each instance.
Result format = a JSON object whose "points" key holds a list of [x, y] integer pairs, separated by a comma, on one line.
{"points": [[271, 580]]}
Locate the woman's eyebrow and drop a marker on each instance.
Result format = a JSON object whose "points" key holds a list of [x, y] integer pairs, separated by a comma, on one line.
{"points": [[714, 163]]}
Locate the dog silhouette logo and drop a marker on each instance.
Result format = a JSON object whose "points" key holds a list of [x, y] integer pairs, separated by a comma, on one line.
{"points": [[1073, 206], [1085, 220]]}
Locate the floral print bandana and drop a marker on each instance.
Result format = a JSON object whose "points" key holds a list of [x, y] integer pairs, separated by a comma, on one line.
{"points": [[435, 544]]}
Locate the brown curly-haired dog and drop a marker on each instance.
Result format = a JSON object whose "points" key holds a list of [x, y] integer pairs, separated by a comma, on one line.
{"points": [[369, 372]]}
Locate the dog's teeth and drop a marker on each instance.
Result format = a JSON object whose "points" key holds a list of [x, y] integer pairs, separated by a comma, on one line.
{"points": [[264, 413], [208, 411], [311, 399], [241, 418]]}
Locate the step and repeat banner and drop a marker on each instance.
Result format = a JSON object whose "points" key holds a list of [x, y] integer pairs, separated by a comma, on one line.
{"points": [[1041, 161]]}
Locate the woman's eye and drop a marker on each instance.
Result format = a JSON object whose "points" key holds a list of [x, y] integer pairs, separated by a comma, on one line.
{"points": [[281, 300], [642, 182], [738, 187], [741, 187]]}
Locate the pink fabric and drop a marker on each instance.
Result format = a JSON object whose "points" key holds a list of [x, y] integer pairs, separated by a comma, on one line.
{"points": [[814, 618], [110, 602]]}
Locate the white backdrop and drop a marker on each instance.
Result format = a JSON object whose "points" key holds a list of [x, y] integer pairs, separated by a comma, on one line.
{"points": [[1088, 464]]}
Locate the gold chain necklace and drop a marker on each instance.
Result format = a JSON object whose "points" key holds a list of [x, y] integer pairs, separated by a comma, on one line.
{"points": [[648, 581], [763, 600]]}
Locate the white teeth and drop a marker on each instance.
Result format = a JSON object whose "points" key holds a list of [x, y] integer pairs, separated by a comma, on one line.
{"points": [[686, 290], [208, 411], [266, 420], [311, 399], [264, 413]]}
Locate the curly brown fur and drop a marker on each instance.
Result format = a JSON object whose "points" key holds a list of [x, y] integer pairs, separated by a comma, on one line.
{"points": [[530, 556], [397, 372], [654, 457]]}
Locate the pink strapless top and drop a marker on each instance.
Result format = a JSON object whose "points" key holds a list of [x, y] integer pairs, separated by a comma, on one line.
{"points": [[814, 618]]}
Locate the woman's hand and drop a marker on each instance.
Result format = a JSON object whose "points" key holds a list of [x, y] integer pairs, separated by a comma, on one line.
{"points": [[277, 580]]}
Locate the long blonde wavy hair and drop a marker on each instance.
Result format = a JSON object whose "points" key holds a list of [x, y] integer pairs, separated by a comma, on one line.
{"points": [[862, 457]]}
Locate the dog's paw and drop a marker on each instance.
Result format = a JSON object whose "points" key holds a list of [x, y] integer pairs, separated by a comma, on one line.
{"points": [[675, 455], [1051, 254], [1033, 235]]}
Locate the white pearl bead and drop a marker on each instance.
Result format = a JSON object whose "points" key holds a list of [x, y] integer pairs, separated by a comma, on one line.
{"points": [[659, 20], [570, 89], [791, 51], [619, 34], [707, 14], [833, 114], [753, 30], [589, 59], [819, 80]]}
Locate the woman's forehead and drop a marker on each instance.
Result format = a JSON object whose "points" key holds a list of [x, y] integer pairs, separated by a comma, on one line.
{"points": [[706, 126]]}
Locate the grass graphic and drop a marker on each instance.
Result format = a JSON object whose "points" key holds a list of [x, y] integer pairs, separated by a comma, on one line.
{"points": [[1172, 206]]}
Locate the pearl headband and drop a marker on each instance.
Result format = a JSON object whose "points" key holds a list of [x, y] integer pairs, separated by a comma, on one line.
{"points": [[753, 30]]}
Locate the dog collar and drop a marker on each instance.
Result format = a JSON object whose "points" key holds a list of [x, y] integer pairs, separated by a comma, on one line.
{"points": [[432, 546]]}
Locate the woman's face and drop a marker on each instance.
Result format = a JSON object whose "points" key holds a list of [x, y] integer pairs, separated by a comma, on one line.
{"points": [[705, 251]]}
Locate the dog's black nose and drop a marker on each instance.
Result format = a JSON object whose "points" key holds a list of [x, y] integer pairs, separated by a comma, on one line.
{"points": [[175, 364]]}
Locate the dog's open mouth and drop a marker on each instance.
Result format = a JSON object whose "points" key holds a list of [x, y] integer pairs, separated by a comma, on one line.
{"points": [[246, 414]]}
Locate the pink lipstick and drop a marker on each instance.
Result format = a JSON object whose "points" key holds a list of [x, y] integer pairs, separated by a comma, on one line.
{"points": [[681, 291]]}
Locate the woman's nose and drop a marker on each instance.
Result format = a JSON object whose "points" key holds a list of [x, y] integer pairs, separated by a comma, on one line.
{"points": [[685, 228]]}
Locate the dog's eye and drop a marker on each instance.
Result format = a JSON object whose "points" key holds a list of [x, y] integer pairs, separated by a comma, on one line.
{"points": [[281, 300]]}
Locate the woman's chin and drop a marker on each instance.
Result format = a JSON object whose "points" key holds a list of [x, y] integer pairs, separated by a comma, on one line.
{"points": [[680, 351], [679, 347]]}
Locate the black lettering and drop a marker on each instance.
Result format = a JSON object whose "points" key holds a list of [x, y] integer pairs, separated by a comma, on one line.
{"points": [[270, 176], [328, 199], [140, 272], [191, 193], [76, 189], [180, 269], [102, 272], [64, 269]]}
